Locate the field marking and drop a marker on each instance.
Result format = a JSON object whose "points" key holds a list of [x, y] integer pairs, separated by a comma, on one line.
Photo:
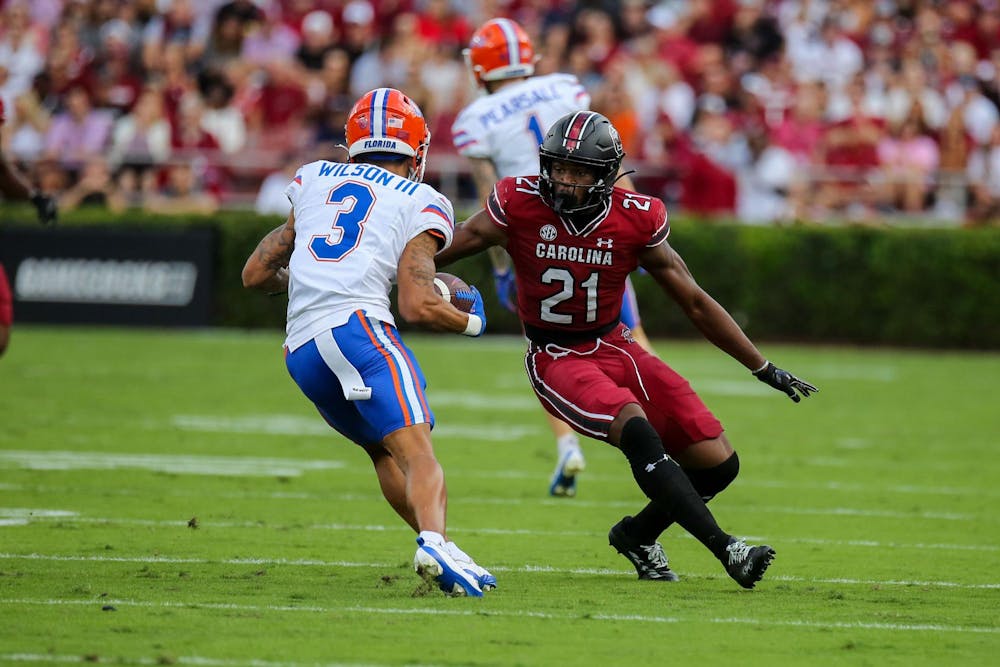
{"points": [[178, 464], [180, 660], [39, 460], [842, 487], [543, 569], [358, 609], [26, 517], [297, 425]]}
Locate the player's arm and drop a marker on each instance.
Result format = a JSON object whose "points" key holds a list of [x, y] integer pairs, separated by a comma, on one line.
{"points": [[14, 185], [715, 323], [418, 302], [472, 236], [267, 267], [484, 174]]}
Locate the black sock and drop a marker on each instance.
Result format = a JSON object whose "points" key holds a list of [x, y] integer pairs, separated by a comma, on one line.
{"points": [[666, 485], [651, 521]]}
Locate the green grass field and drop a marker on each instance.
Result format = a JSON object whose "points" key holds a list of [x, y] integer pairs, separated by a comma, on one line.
{"points": [[170, 498]]}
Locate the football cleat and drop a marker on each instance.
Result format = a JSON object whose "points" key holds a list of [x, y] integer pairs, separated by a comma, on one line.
{"points": [[483, 577], [435, 565], [745, 563], [563, 481], [649, 559]]}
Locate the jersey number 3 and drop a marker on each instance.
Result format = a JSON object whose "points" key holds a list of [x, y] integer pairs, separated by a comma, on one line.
{"points": [[354, 203]]}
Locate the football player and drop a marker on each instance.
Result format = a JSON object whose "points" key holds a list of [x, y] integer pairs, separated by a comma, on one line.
{"points": [[500, 133], [573, 238], [14, 185], [355, 229]]}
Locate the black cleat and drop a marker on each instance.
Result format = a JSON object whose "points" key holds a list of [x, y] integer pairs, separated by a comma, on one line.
{"points": [[746, 564], [649, 560]]}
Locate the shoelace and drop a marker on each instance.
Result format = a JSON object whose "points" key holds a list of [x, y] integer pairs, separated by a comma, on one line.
{"points": [[738, 551], [654, 552]]}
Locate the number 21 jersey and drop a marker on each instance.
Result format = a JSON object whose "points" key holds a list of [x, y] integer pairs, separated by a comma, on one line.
{"points": [[568, 279]]}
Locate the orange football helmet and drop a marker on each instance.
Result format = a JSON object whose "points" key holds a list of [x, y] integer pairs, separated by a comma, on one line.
{"points": [[500, 49], [385, 121]]}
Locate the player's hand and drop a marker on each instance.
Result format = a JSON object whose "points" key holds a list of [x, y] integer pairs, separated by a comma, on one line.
{"points": [[504, 284], [784, 381], [46, 208], [477, 315]]}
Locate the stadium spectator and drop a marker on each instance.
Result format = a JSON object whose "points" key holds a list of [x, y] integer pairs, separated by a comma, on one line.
{"points": [[79, 132], [582, 362], [117, 84], [360, 34], [183, 192], [342, 348], [318, 38], [221, 119], [21, 55], [984, 177], [95, 188], [909, 156], [271, 197], [26, 128], [141, 137]]}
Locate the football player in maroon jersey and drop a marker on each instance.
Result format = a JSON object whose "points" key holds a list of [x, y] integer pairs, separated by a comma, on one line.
{"points": [[14, 185], [573, 238]]}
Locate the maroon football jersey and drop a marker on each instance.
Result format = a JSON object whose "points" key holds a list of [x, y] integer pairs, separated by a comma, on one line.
{"points": [[567, 280]]}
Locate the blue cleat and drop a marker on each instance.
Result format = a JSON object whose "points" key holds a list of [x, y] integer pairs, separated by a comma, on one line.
{"points": [[483, 577], [435, 565], [564, 478]]}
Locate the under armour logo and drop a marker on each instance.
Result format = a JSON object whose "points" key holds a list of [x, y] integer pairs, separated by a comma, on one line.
{"points": [[652, 466], [605, 243]]}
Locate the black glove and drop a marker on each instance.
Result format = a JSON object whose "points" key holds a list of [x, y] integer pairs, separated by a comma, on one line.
{"points": [[46, 208], [784, 381]]}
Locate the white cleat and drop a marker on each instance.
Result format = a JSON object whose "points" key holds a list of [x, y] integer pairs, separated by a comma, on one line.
{"points": [[435, 565]]}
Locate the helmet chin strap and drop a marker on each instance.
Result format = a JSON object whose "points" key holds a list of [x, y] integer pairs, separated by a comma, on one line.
{"points": [[580, 220], [623, 175]]}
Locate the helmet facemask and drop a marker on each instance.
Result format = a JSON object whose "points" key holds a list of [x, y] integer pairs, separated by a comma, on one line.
{"points": [[585, 139]]}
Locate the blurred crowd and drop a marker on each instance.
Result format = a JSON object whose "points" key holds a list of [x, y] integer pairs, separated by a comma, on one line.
{"points": [[766, 110]]}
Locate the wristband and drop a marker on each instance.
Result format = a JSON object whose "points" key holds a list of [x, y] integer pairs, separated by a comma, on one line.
{"points": [[474, 327], [766, 364]]}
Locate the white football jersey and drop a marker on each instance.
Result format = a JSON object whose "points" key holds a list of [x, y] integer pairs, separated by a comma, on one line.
{"points": [[508, 126], [352, 222]]}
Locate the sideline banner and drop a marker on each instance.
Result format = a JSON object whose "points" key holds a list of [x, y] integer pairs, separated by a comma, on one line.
{"points": [[105, 275]]}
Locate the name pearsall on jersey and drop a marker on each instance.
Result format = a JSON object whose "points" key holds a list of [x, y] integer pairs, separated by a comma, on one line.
{"points": [[572, 280], [508, 126]]}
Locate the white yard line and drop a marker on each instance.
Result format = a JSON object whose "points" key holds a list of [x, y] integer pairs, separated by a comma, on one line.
{"points": [[23, 517], [177, 464], [544, 569], [197, 660], [757, 622]]}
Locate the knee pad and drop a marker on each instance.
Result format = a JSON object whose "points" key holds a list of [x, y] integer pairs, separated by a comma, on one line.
{"points": [[640, 442], [711, 481]]}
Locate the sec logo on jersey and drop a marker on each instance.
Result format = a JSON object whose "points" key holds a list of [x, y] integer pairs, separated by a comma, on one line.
{"points": [[548, 233]]}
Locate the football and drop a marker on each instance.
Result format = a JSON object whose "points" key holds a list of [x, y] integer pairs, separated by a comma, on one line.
{"points": [[448, 286]]}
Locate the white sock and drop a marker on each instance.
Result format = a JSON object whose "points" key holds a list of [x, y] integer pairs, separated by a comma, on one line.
{"points": [[430, 537], [568, 443]]}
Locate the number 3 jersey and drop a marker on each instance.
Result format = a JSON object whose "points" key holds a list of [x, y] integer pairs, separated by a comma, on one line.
{"points": [[569, 280], [508, 126], [352, 222]]}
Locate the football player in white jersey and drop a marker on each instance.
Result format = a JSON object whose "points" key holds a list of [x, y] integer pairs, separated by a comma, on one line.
{"points": [[356, 228], [500, 133]]}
